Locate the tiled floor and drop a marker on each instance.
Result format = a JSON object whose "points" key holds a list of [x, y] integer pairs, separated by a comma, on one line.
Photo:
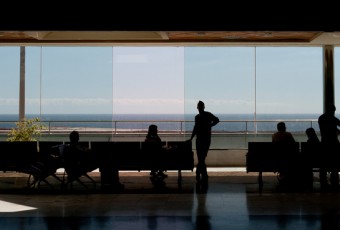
{"points": [[232, 201]]}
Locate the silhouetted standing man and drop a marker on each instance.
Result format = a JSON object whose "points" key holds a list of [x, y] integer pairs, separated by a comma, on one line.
{"points": [[328, 125], [202, 130]]}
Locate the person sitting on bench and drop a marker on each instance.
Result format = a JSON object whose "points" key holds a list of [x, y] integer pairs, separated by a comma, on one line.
{"points": [[152, 136], [287, 176]]}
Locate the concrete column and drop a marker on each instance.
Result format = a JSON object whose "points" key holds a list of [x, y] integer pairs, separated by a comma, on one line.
{"points": [[22, 84], [328, 75]]}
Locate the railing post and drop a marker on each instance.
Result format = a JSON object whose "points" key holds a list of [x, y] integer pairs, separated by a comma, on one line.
{"points": [[115, 127]]}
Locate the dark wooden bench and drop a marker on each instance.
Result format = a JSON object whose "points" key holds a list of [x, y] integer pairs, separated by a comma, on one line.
{"points": [[34, 158], [318, 155], [50, 161], [276, 157], [321, 157], [312, 153], [17, 156], [20, 156], [138, 156], [39, 160]]}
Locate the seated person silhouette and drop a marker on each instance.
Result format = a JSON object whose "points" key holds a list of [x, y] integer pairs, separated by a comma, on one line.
{"points": [[312, 158], [78, 160], [152, 137], [287, 175], [311, 135], [282, 135]]}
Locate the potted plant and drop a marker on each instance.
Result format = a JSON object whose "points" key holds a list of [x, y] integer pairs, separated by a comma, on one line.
{"points": [[26, 130]]}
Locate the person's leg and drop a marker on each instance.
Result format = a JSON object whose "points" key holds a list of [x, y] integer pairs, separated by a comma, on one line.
{"points": [[199, 167], [204, 171], [202, 151]]}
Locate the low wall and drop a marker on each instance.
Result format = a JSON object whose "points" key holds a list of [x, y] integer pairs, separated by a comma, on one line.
{"points": [[225, 158]]}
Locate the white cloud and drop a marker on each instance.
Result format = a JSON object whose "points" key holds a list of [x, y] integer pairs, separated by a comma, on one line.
{"points": [[9, 101]]}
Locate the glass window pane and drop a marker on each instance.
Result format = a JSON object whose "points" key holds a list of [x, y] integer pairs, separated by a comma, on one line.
{"points": [[223, 78], [289, 85], [10, 78], [337, 80], [148, 84], [77, 80], [289, 80], [148, 80]]}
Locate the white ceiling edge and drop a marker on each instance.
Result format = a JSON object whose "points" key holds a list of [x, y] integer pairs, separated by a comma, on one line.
{"points": [[327, 38]]}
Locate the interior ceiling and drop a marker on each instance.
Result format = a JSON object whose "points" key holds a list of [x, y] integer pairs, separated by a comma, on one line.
{"points": [[263, 23], [170, 37]]}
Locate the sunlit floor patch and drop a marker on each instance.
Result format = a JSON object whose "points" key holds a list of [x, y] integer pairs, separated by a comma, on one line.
{"points": [[12, 207]]}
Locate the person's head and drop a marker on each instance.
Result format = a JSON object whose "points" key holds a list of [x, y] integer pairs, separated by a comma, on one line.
{"points": [[74, 136], [281, 126], [200, 106], [152, 130], [310, 132], [330, 108]]}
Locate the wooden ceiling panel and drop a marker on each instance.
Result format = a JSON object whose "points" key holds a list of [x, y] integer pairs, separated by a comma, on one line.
{"points": [[158, 36], [251, 36]]}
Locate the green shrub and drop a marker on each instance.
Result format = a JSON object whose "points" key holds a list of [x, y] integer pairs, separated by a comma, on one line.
{"points": [[26, 130]]}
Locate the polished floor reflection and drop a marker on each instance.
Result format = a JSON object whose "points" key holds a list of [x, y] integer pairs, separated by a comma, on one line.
{"points": [[231, 201]]}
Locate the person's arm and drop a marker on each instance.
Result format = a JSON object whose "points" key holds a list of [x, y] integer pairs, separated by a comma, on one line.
{"points": [[193, 134], [194, 130], [215, 120], [337, 121]]}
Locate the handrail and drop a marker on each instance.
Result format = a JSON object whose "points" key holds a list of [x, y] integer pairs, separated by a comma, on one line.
{"points": [[182, 127]]}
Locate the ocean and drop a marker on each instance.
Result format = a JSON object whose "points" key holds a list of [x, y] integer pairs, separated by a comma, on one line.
{"points": [[171, 122]]}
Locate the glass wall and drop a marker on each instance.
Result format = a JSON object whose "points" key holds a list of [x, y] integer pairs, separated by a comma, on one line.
{"points": [[245, 86], [289, 86], [10, 79], [148, 85], [257, 85], [223, 78], [337, 80], [76, 80]]}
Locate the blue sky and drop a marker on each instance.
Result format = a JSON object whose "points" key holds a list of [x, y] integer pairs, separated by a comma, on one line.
{"points": [[164, 79]]}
